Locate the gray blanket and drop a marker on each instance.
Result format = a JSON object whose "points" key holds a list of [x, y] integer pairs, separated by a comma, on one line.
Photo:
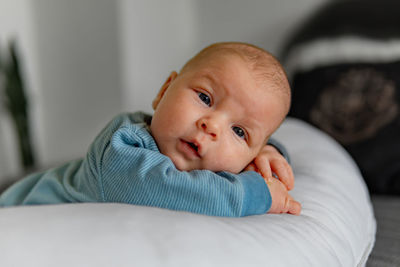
{"points": [[386, 252]]}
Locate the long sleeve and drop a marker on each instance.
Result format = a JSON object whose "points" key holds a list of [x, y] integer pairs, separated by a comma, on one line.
{"points": [[124, 165]]}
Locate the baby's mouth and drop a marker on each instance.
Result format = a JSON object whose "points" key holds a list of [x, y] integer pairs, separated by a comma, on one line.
{"points": [[193, 145], [192, 148]]}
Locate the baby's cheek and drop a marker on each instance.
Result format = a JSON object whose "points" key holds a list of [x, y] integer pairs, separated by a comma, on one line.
{"points": [[228, 156], [234, 164]]}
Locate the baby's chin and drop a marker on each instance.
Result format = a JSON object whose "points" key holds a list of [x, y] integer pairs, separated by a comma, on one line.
{"points": [[184, 166]]}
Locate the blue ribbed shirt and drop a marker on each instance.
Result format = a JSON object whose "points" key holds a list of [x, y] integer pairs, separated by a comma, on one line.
{"points": [[124, 165]]}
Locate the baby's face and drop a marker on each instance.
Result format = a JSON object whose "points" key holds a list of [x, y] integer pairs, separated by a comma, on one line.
{"points": [[215, 116]]}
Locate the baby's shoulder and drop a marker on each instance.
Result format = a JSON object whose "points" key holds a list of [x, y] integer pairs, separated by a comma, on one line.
{"points": [[130, 119]]}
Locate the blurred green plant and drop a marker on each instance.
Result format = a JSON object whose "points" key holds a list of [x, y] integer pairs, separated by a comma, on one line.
{"points": [[15, 100]]}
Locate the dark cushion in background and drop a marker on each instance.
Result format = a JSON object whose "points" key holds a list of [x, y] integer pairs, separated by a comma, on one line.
{"points": [[357, 103], [362, 116], [377, 19]]}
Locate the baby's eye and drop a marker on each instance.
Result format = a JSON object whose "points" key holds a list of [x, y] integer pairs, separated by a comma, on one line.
{"points": [[239, 132], [205, 98]]}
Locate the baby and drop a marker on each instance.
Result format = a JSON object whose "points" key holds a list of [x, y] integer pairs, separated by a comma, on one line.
{"points": [[212, 122]]}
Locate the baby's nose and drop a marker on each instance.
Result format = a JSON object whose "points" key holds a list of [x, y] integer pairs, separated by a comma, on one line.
{"points": [[209, 126]]}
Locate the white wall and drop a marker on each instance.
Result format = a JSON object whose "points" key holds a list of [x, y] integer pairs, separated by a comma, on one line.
{"points": [[70, 52], [78, 58], [156, 37], [266, 23]]}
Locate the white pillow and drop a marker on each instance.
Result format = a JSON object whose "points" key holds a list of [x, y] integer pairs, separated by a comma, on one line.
{"points": [[336, 227]]}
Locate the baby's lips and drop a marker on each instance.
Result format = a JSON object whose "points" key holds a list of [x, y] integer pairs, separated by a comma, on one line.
{"points": [[199, 147], [195, 142]]}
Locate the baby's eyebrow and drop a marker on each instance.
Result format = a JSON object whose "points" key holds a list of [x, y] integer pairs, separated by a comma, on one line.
{"points": [[209, 77], [216, 83], [254, 129]]}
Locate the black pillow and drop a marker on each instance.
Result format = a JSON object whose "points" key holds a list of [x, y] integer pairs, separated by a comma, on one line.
{"points": [[344, 68]]}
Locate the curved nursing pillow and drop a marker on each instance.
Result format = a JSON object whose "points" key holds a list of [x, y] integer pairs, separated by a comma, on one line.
{"points": [[336, 227]]}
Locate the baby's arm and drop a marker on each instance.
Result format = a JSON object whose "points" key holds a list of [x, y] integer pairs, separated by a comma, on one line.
{"points": [[270, 162], [124, 165]]}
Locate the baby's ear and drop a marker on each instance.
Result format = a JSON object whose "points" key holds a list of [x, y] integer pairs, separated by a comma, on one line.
{"points": [[163, 89]]}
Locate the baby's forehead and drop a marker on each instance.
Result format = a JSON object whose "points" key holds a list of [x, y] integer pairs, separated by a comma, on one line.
{"points": [[264, 68], [265, 76]]}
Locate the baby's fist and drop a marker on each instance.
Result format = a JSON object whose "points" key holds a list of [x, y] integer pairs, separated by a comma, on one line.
{"points": [[282, 202]]}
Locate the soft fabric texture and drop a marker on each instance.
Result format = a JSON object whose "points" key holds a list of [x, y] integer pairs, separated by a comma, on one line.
{"points": [[336, 226], [344, 66], [124, 165]]}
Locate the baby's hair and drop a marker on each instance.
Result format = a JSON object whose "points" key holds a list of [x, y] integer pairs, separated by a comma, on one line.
{"points": [[265, 66]]}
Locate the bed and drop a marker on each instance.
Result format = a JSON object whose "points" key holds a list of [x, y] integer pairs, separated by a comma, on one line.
{"points": [[336, 228]]}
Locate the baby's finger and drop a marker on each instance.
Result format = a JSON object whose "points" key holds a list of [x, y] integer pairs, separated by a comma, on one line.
{"points": [[263, 167], [284, 172], [294, 207]]}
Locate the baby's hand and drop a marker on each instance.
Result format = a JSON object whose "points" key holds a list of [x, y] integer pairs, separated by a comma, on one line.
{"points": [[282, 202], [269, 161]]}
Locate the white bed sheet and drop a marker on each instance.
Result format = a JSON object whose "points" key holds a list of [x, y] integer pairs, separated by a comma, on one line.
{"points": [[336, 227]]}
